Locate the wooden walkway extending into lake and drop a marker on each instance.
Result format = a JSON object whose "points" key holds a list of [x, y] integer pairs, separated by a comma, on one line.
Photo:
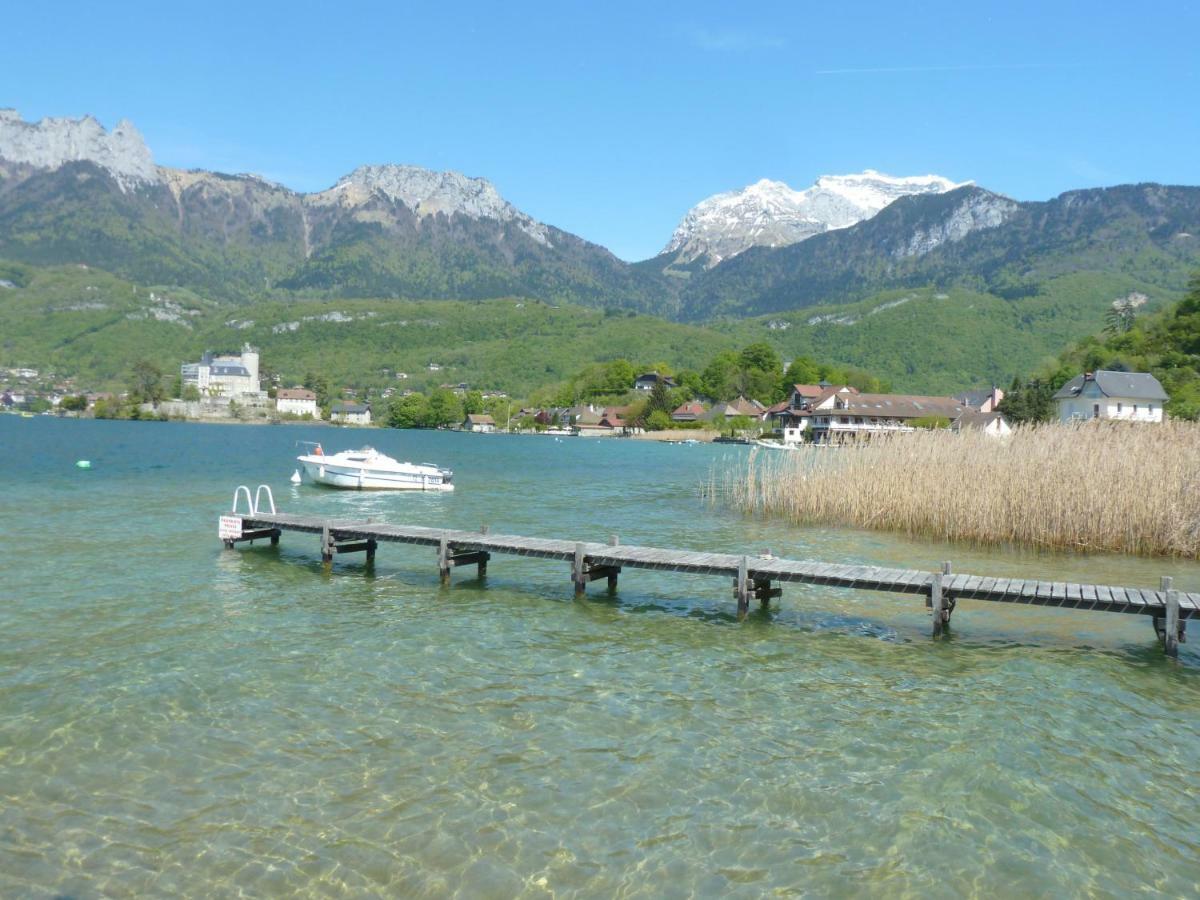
{"points": [[754, 577]]}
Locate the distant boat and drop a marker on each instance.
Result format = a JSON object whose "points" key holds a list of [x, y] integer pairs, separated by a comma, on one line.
{"points": [[775, 445], [368, 469]]}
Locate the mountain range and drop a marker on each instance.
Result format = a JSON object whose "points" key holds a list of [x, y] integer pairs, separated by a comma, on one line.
{"points": [[72, 192]]}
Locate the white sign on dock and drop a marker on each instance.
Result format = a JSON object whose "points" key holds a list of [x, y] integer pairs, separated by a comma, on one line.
{"points": [[229, 528]]}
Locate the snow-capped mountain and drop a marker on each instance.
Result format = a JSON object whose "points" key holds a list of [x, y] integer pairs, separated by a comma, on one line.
{"points": [[771, 214]]}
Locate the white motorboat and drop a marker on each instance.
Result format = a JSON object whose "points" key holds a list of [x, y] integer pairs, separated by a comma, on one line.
{"points": [[368, 469]]}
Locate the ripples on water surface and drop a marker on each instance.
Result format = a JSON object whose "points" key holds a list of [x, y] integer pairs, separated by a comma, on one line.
{"points": [[179, 719]]}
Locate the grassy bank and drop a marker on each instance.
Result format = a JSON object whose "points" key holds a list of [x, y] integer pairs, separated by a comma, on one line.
{"points": [[1092, 487]]}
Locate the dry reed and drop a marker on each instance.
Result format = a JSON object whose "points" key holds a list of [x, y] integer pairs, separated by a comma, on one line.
{"points": [[1091, 487]]}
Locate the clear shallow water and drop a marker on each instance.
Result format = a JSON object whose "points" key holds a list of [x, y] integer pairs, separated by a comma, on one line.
{"points": [[180, 719]]}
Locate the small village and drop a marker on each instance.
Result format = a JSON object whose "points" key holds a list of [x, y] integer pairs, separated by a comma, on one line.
{"points": [[229, 386]]}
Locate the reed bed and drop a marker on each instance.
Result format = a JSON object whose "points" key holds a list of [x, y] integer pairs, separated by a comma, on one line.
{"points": [[1089, 487]]}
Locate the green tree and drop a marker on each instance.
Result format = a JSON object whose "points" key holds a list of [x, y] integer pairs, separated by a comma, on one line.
{"points": [[411, 411], [473, 403], [191, 393], [146, 383], [444, 408], [720, 376], [659, 400], [740, 424], [618, 376], [802, 370], [761, 356], [658, 421], [319, 385], [76, 403]]}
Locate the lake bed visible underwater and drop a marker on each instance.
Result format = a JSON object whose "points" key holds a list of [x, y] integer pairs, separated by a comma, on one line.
{"points": [[180, 719]]}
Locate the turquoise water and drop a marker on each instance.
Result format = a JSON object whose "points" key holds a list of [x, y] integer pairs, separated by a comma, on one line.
{"points": [[179, 719]]}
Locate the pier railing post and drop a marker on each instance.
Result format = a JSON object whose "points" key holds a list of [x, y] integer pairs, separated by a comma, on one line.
{"points": [[577, 574], [937, 603]]}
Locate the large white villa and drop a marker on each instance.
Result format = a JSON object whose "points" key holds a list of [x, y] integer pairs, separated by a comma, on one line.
{"points": [[1127, 396]]}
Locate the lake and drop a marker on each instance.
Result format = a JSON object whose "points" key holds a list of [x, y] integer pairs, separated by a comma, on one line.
{"points": [[181, 719]]}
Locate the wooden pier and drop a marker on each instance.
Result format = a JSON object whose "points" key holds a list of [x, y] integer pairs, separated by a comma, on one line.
{"points": [[754, 577]]}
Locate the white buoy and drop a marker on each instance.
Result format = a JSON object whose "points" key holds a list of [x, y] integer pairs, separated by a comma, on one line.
{"points": [[296, 477]]}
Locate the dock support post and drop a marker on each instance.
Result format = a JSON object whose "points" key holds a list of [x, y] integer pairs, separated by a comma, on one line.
{"points": [[937, 603], [577, 573], [742, 587], [444, 560], [948, 600], [326, 547], [275, 537], [371, 545], [1168, 626]]}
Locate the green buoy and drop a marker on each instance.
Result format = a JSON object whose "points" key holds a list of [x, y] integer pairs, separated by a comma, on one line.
{"points": [[83, 464]]}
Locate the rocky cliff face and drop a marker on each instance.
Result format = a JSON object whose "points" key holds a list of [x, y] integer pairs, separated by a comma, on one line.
{"points": [[771, 214], [977, 210], [50, 143], [427, 193]]}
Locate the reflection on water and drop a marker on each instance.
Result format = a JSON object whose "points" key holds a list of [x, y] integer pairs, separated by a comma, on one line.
{"points": [[176, 718]]}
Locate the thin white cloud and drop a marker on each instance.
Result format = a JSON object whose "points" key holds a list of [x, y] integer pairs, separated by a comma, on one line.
{"points": [[731, 40], [893, 70]]}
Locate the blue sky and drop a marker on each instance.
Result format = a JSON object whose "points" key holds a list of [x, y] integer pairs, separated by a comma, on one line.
{"points": [[611, 119]]}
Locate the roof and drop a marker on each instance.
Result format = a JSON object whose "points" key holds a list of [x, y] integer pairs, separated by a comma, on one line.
{"points": [[781, 406], [666, 379], [1126, 385], [348, 408], [975, 399], [295, 394], [741, 406], [899, 406], [812, 391], [477, 419], [229, 370], [693, 407]]}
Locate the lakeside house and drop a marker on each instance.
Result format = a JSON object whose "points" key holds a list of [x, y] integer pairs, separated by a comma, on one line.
{"points": [[723, 412], [297, 402], [229, 376], [993, 424], [692, 411], [350, 413], [650, 379], [842, 413], [480, 424], [1124, 396]]}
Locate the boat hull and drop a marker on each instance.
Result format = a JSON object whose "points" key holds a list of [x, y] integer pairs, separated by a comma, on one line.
{"points": [[363, 479]]}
